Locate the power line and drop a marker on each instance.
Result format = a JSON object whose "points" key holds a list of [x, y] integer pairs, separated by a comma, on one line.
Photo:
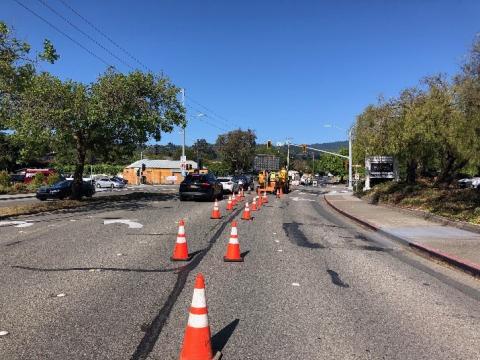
{"points": [[214, 116], [105, 35], [64, 34], [84, 33], [211, 111]]}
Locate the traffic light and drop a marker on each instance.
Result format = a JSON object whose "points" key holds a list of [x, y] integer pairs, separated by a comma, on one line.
{"points": [[143, 167], [304, 147], [269, 144]]}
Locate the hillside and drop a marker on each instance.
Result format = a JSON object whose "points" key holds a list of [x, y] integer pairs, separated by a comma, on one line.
{"points": [[331, 146]]}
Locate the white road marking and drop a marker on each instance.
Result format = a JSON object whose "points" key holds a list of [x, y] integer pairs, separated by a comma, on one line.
{"points": [[295, 284], [3, 333], [277, 241], [18, 224], [280, 250], [72, 220], [119, 254], [61, 295], [301, 199], [131, 224]]}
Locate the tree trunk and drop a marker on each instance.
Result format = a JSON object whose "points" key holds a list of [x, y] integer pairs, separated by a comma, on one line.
{"points": [[79, 166], [449, 169], [411, 172]]}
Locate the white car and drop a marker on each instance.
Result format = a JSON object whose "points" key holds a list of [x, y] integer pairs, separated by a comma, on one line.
{"points": [[109, 183], [228, 185]]}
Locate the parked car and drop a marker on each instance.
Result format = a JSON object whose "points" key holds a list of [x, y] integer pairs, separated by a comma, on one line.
{"points": [[469, 183], [120, 179], [200, 186], [111, 183], [29, 174], [228, 185], [62, 190], [243, 182]]}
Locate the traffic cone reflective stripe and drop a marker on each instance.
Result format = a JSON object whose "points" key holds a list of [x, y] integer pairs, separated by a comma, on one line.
{"points": [[229, 204], [254, 205], [180, 252], [265, 198], [197, 340], [215, 211], [246, 212], [233, 247]]}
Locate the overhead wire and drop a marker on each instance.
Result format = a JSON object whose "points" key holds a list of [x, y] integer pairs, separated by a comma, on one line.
{"points": [[113, 42], [210, 113], [45, 4], [63, 33]]}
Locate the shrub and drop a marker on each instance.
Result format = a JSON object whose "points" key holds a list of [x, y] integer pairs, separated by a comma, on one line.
{"points": [[19, 187], [53, 178], [4, 179], [5, 189], [38, 180]]}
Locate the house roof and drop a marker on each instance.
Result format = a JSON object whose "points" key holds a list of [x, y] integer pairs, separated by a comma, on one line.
{"points": [[161, 164]]}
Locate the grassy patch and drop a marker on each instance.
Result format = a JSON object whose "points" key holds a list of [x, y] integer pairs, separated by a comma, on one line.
{"points": [[47, 206], [455, 204]]}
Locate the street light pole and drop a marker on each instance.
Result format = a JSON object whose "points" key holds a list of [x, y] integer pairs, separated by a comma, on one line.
{"points": [[350, 180], [183, 145]]}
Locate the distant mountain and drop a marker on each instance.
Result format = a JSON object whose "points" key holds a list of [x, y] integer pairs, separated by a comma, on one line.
{"points": [[331, 146]]}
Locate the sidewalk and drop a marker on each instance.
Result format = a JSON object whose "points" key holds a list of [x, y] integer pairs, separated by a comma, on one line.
{"points": [[16, 196], [458, 247]]}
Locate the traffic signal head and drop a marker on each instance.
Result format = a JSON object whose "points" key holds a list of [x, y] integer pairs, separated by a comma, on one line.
{"points": [[143, 167], [269, 144]]}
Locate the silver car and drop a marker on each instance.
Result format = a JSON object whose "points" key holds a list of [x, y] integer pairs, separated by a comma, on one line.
{"points": [[228, 185], [109, 183]]}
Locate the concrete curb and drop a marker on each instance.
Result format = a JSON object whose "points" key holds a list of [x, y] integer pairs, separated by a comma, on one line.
{"points": [[16, 197], [462, 264]]}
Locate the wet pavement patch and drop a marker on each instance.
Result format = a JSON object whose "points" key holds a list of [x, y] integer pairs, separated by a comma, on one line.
{"points": [[296, 235], [336, 279]]}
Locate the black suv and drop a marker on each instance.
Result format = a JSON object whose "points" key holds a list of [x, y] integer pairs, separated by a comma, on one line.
{"points": [[201, 186]]}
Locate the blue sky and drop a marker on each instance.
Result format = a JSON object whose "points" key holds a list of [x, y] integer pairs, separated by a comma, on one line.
{"points": [[282, 68]]}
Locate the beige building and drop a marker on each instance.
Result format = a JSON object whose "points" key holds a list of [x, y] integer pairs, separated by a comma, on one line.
{"points": [[156, 172]]}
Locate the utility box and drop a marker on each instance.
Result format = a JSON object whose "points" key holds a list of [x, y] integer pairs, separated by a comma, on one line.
{"points": [[379, 168]]}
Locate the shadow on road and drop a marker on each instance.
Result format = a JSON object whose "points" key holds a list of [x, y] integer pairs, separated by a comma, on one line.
{"points": [[220, 339]]}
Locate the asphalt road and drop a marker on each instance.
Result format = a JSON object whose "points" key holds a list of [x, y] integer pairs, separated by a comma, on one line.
{"points": [[313, 286]]}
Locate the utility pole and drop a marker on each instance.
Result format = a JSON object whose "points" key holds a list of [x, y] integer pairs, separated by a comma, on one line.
{"points": [[350, 180], [183, 145], [313, 164]]}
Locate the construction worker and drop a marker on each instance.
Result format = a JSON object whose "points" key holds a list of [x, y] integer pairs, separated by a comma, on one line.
{"points": [[283, 179]]}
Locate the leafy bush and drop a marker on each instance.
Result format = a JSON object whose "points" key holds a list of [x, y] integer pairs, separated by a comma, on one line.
{"points": [[4, 179], [19, 188], [53, 178], [38, 180], [5, 189]]}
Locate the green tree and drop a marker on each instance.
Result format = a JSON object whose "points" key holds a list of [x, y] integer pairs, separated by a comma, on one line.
{"points": [[203, 150], [113, 115], [17, 68], [237, 149]]}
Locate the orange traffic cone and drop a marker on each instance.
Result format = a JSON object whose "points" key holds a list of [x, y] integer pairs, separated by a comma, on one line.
{"points": [[246, 213], [259, 202], [229, 204], [234, 200], [254, 205], [197, 339], [265, 198], [215, 211], [233, 248], [180, 253]]}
